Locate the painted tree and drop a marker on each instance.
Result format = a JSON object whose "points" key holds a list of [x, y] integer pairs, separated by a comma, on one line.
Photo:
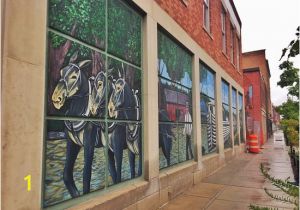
{"points": [[124, 36], [81, 19], [177, 60]]}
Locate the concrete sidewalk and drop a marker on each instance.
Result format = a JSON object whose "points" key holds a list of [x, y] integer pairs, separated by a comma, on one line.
{"points": [[240, 183]]}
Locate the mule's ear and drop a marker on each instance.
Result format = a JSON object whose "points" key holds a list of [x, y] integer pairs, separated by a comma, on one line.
{"points": [[83, 64], [92, 79], [74, 57]]}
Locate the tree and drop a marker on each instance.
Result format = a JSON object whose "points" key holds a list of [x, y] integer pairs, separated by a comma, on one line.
{"points": [[289, 110], [293, 47], [290, 76]]}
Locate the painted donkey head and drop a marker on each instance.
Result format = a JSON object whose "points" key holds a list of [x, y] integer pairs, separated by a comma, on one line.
{"points": [[123, 102], [70, 81], [117, 98], [98, 93]]}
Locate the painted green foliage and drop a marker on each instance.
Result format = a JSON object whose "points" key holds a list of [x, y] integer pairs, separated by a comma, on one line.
{"points": [[124, 37], [82, 19], [177, 60]]}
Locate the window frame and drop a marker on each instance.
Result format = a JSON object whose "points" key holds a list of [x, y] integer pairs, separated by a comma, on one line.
{"points": [[206, 15], [57, 117], [204, 67], [241, 116], [227, 104], [238, 54], [234, 108], [223, 29], [176, 123], [232, 43]]}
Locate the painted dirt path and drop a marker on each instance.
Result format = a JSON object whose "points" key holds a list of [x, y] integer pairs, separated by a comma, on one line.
{"points": [[240, 182]]}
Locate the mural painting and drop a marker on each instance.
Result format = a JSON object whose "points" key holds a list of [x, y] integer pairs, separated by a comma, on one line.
{"points": [[234, 117], [93, 133], [241, 117], [175, 102], [208, 111], [225, 113]]}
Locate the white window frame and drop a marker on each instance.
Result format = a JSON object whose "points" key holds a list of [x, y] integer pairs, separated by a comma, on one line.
{"points": [[232, 43], [223, 28], [238, 54], [206, 15]]}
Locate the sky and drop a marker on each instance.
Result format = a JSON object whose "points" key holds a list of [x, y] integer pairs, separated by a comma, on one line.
{"points": [[270, 25]]}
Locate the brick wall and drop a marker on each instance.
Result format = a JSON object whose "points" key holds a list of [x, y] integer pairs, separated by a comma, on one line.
{"points": [[258, 59], [252, 78], [190, 18]]}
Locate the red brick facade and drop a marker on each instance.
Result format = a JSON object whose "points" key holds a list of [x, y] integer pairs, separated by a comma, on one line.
{"points": [[190, 18], [258, 107]]}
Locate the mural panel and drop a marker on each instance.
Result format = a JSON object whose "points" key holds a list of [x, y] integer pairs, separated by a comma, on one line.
{"points": [[175, 143], [62, 149], [124, 32], [241, 117], [185, 142], [234, 117], [71, 79], [125, 97], [208, 112], [168, 144], [174, 102], [124, 146], [81, 19], [93, 136], [225, 113]]}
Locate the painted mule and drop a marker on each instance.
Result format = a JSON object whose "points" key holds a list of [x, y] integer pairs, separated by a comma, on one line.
{"points": [[73, 91], [124, 104]]}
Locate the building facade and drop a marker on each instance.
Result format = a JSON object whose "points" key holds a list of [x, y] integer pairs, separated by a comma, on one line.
{"points": [[113, 104], [258, 100], [276, 119]]}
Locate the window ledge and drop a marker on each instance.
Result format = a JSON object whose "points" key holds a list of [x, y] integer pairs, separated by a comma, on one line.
{"points": [[227, 149], [209, 156], [234, 66], [208, 33], [225, 55], [185, 2], [178, 167]]}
